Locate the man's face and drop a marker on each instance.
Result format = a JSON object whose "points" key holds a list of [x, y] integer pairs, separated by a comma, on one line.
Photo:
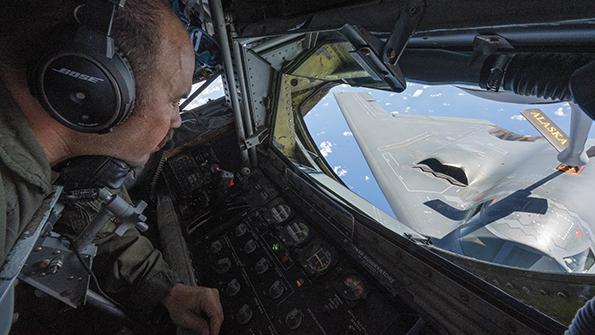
{"points": [[153, 120]]}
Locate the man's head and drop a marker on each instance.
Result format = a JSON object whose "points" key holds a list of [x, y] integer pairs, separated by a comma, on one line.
{"points": [[160, 54]]}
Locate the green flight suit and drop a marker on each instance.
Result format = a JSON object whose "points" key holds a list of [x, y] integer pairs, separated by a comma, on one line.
{"points": [[129, 266]]}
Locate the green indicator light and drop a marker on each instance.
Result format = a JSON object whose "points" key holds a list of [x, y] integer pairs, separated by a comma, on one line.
{"points": [[275, 247]]}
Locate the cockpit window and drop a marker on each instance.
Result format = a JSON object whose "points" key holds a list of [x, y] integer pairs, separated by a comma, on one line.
{"points": [[483, 164], [211, 92], [461, 169]]}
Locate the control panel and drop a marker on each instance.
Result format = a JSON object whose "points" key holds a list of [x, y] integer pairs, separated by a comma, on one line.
{"points": [[279, 274]]}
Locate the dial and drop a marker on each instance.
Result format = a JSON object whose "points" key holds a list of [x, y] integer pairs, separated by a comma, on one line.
{"points": [[316, 258], [353, 288], [250, 246], [295, 233], [276, 290], [232, 288], [222, 265], [241, 229], [215, 247], [262, 266], [294, 318], [244, 314]]}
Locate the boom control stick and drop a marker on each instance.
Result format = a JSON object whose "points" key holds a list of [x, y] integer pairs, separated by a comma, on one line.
{"points": [[130, 216]]}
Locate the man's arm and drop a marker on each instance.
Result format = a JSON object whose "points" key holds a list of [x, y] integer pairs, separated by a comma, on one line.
{"points": [[132, 269], [134, 272]]}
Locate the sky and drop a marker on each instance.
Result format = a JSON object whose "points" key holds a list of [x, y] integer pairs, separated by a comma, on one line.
{"points": [[336, 143]]}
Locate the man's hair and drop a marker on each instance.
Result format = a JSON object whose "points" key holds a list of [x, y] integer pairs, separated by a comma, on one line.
{"points": [[28, 27]]}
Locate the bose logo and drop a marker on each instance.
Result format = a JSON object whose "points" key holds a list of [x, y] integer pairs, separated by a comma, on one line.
{"points": [[78, 75]]}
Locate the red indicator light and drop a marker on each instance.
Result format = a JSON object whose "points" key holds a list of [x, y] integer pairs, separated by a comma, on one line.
{"points": [[578, 234]]}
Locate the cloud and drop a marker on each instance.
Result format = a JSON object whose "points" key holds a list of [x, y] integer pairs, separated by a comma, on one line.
{"points": [[417, 93], [446, 104], [347, 133], [366, 178], [213, 91], [460, 94], [339, 171], [387, 104], [325, 148], [518, 117], [435, 95], [392, 94], [321, 133], [216, 88], [325, 104], [560, 112]]}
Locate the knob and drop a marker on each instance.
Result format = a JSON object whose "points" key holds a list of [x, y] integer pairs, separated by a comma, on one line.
{"points": [[241, 229], [222, 265], [232, 288], [294, 318], [250, 246], [277, 289], [215, 247], [262, 266], [244, 314]]}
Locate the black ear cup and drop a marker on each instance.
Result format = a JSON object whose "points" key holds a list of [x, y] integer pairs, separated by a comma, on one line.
{"points": [[83, 88]]}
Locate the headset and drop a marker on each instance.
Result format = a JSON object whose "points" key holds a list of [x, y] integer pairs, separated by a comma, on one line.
{"points": [[84, 82]]}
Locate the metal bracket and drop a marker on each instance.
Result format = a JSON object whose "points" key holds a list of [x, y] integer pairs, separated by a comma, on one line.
{"points": [[255, 139], [54, 269], [408, 20], [381, 59], [485, 45], [488, 44]]}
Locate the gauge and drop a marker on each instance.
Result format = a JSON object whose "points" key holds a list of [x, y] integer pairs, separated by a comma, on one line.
{"points": [[316, 258], [295, 233], [353, 288], [280, 213]]}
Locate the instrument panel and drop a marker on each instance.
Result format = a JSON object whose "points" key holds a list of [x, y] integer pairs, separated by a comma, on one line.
{"points": [[278, 274]]}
